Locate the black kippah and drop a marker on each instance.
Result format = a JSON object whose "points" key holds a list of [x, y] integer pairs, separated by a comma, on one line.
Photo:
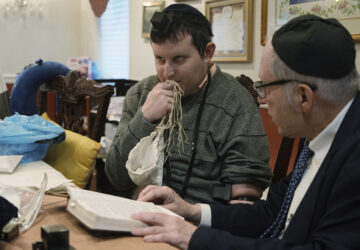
{"points": [[314, 46], [184, 8], [162, 22]]}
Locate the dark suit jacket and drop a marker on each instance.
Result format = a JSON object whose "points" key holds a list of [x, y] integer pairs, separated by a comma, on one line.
{"points": [[327, 218]]}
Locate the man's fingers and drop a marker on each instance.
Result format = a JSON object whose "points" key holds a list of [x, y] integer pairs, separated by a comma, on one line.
{"points": [[177, 235], [158, 102], [160, 237], [154, 194], [165, 228], [151, 195], [169, 93], [176, 240], [157, 220], [167, 85], [146, 197], [165, 100], [151, 218], [146, 190], [143, 231]]}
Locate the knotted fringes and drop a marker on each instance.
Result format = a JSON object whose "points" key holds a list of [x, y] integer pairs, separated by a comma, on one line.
{"points": [[172, 122]]}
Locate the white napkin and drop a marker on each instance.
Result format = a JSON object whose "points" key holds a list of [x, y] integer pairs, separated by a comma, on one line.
{"points": [[8, 163]]}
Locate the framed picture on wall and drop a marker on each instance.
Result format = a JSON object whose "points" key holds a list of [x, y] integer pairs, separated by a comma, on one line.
{"points": [[280, 11], [149, 9], [231, 22]]}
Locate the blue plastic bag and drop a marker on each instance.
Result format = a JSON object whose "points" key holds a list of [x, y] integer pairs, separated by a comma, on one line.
{"points": [[29, 136]]}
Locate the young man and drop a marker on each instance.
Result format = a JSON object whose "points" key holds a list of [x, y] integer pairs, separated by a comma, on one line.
{"points": [[232, 148], [310, 84]]}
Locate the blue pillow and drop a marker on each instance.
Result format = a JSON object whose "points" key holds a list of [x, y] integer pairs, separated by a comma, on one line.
{"points": [[29, 136], [23, 93]]}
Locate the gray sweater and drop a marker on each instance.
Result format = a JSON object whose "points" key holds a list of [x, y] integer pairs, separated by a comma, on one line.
{"points": [[232, 145]]}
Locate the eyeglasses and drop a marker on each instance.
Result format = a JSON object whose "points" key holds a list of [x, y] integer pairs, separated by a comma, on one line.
{"points": [[259, 86]]}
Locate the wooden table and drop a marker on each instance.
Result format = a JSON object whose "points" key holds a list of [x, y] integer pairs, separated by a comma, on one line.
{"points": [[53, 211]]}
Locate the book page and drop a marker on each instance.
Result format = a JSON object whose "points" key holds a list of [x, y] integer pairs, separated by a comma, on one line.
{"points": [[113, 206], [108, 212]]}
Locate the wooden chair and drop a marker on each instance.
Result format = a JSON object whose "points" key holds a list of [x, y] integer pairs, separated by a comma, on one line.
{"points": [[248, 83], [287, 146], [75, 94]]}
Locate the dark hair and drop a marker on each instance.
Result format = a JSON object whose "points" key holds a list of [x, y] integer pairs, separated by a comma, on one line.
{"points": [[174, 25]]}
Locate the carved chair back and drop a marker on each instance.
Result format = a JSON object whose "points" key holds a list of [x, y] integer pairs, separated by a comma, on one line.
{"points": [[74, 95], [248, 83]]}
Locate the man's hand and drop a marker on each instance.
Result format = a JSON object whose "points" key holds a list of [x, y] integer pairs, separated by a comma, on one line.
{"points": [[168, 198], [164, 228], [158, 102]]}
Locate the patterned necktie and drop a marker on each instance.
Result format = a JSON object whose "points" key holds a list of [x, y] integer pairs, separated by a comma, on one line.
{"points": [[274, 230]]}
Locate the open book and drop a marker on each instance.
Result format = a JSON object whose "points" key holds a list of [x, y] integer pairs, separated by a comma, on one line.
{"points": [[107, 212]]}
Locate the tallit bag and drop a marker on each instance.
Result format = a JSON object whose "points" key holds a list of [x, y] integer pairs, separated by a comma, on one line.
{"points": [[146, 160]]}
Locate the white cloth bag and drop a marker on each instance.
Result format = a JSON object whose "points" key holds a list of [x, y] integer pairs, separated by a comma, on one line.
{"points": [[146, 160]]}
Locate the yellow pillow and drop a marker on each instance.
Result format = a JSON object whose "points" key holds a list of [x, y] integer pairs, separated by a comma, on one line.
{"points": [[74, 157]]}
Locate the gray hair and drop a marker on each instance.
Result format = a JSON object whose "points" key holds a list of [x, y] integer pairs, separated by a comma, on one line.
{"points": [[332, 91]]}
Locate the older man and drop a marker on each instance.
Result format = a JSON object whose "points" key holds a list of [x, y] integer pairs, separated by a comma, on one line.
{"points": [[310, 84]]}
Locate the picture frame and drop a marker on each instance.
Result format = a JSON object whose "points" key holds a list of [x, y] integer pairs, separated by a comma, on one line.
{"points": [[232, 25], [149, 9], [274, 15]]}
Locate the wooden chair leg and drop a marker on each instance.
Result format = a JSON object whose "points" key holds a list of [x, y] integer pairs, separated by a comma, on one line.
{"points": [[93, 181], [88, 116]]}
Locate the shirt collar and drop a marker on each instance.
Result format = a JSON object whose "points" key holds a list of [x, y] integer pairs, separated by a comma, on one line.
{"points": [[320, 145]]}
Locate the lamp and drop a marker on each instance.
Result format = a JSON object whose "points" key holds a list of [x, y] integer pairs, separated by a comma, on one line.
{"points": [[23, 9]]}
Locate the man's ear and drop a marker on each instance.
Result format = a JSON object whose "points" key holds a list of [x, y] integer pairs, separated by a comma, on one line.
{"points": [[306, 97], [209, 51]]}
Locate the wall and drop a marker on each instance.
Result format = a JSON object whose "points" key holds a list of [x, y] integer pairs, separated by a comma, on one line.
{"points": [[67, 29], [142, 60], [88, 31]]}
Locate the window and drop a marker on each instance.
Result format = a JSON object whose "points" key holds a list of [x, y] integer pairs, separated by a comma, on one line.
{"points": [[114, 40]]}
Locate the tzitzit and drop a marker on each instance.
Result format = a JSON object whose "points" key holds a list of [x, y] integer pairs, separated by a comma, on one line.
{"points": [[172, 122]]}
